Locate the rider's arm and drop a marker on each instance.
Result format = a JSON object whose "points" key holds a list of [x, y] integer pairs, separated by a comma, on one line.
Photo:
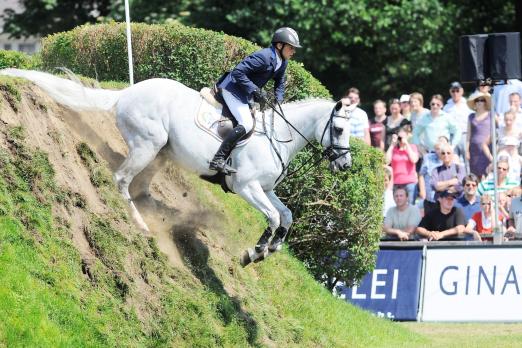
{"points": [[252, 63]]}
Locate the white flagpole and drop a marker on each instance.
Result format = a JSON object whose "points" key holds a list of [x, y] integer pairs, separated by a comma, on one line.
{"points": [[129, 43]]}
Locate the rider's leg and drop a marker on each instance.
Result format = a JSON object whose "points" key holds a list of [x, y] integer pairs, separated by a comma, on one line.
{"points": [[242, 114]]}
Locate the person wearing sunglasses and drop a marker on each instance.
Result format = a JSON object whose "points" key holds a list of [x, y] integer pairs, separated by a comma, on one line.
{"points": [[482, 222], [469, 202], [435, 124], [479, 128], [504, 183], [449, 175], [458, 109]]}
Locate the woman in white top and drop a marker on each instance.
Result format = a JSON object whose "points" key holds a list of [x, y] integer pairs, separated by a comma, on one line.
{"points": [[509, 130]]}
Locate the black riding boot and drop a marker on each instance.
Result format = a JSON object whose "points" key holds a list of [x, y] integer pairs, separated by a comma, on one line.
{"points": [[279, 238], [219, 161], [262, 243]]}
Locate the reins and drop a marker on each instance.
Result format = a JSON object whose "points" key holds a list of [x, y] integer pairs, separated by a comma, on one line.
{"points": [[328, 152]]}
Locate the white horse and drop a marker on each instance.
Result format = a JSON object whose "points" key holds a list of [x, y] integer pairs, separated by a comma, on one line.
{"points": [[156, 113]]}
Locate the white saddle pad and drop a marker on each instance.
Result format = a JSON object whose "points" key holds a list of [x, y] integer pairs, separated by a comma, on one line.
{"points": [[207, 118]]}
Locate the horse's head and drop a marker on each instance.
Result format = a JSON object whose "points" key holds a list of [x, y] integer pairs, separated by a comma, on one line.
{"points": [[336, 136]]}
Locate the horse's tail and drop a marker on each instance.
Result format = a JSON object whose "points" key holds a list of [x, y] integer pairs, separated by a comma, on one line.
{"points": [[67, 92]]}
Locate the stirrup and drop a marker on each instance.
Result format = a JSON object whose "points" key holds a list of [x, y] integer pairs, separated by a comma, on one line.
{"points": [[222, 167]]}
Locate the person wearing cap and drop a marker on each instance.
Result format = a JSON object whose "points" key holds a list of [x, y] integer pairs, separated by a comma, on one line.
{"points": [[514, 106], [243, 85], [360, 126], [479, 129], [444, 223], [504, 182], [510, 151], [405, 106], [435, 124], [457, 108]]}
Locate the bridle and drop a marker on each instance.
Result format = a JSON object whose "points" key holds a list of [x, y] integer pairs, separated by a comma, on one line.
{"points": [[332, 152]]}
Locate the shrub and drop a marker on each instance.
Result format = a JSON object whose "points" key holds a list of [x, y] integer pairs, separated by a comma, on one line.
{"points": [[337, 217], [14, 59], [195, 57], [333, 213]]}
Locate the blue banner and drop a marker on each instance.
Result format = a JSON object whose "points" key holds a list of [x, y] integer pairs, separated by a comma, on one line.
{"points": [[392, 289]]}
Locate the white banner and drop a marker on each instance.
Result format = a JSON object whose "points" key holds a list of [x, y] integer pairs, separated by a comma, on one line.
{"points": [[482, 284]]}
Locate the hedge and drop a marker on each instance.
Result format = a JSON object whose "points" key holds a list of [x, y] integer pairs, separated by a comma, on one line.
{"points": [[332, 213], [195, 57], [337, 216], [14, 59]]}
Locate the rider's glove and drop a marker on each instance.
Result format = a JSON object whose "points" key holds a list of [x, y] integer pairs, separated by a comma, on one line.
{"points": [[259, 96]]}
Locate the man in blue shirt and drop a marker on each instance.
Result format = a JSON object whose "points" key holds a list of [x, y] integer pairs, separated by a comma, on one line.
{"points": [[469, 202], [243, 85]]}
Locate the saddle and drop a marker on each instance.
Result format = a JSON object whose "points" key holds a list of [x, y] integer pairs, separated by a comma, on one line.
{"points": [[222, 126], [227, 121]]}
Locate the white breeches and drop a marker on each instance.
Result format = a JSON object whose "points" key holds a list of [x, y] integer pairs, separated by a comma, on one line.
{"points": [[240, 111]]}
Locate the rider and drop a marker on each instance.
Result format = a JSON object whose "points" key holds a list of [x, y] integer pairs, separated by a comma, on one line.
{"points": [[243, 85]]}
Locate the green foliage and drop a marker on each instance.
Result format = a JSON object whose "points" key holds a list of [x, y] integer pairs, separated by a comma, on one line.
{"points": [[337, 213], [10, 88], [14, 59], [195, 57], [128, 295], [383, 47]]}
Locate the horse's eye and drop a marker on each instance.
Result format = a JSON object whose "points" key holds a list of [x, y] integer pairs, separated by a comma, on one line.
{"points": [[338, 130]]}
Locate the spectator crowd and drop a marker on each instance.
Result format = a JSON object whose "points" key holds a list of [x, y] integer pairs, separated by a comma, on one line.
{"points": [[440, 182]]}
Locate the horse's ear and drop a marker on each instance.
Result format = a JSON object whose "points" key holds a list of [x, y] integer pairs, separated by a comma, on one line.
{"points": [[338, 105]]}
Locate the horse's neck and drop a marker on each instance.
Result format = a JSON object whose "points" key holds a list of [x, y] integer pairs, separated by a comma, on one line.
{"points": [[307, 119]]}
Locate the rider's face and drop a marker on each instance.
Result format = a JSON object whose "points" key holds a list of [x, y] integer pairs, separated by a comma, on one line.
{"points": [[288, 52]]}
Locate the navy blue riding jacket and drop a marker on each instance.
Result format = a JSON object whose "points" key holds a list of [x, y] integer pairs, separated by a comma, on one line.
{"points": [[253, 73]]}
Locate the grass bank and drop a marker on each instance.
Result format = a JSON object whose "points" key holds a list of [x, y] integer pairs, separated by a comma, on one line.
{"points": [[121, 290]]}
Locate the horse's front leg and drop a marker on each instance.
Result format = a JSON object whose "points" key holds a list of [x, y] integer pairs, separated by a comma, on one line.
{"points": [[286, 220], [254, 194]]}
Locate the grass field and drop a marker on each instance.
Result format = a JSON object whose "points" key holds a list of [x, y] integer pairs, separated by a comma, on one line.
{"points": [[468, 334]]}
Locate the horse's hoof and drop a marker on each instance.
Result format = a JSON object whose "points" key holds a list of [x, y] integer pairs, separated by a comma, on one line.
{"points": [[245, 260]]}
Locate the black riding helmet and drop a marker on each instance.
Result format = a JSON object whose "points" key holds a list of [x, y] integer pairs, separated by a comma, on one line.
{"points": [[286, 35]]}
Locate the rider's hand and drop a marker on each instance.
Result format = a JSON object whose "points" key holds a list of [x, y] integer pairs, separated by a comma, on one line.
{"points": [[259, 95]]}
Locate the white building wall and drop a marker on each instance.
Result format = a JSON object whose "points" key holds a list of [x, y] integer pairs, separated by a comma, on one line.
{"points": [[28, 45]]}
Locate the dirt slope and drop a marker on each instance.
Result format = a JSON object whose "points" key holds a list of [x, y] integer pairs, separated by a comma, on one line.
{"points": [[169, 207]]}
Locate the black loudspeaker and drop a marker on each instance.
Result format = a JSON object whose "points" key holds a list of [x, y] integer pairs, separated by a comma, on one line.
{"points": [[504, 56], [473, 58], [495, 56]]}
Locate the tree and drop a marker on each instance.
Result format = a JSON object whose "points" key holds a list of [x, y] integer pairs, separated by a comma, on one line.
{"points": [[43, 17]]}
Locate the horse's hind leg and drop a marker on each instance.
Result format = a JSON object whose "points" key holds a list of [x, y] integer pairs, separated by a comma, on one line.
{"points": [[141, 153]]}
